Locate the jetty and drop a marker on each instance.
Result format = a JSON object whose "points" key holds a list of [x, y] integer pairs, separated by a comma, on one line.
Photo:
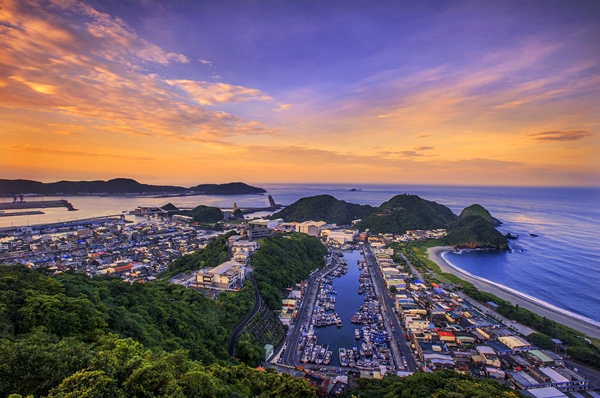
{"points": [[41, 204]]}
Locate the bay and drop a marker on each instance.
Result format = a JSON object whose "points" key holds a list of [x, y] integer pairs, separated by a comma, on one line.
{"points": [[559, 266]]}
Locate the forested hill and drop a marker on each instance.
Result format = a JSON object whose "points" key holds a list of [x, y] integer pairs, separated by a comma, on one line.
{"points": [[72, 334], [406, 212], [478, 210], [323, 208], [118, 186], [284, 260]]}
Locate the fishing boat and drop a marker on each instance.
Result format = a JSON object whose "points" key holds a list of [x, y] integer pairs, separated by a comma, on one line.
{"points": [[343, 357], [327, 357]]}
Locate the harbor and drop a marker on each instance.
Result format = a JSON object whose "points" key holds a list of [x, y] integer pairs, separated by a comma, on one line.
{"points": [[345, 328]]}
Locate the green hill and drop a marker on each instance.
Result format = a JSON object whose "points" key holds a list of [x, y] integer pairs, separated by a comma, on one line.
{"points": [[404, 212], [478, 210], [204, 214], [284, 260], [475, 232], [323, 208]]}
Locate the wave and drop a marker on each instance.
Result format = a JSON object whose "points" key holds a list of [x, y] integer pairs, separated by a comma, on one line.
{"points": [[520, 294]]}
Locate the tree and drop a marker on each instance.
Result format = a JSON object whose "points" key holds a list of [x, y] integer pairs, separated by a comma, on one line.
{"points": [[86, 384]]}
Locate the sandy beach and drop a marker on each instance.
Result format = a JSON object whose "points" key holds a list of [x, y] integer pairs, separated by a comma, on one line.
{"points": [[591, 330]]}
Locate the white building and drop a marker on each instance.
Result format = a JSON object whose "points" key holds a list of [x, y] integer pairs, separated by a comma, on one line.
{"points": [[342, 236]]}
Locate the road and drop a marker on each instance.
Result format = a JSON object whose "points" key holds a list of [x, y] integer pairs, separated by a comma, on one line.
{"points": [[238, 329], [399, 345]]}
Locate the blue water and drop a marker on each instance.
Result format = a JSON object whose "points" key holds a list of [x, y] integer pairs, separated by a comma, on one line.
{"points": [[560, 266], [347, 302]]}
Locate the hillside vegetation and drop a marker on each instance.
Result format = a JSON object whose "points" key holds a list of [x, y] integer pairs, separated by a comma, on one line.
{"points": [[407, 212], [323, 208], [475, 232], [284, 260], [70, 334]]}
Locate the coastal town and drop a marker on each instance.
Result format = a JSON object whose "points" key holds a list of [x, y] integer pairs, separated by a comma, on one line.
{"points": [[403, 324]]}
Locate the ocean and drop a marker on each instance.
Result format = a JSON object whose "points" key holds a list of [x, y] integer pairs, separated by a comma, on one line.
{"points": [[555, 259]]}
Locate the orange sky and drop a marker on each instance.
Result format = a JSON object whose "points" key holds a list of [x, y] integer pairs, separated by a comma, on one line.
{"points": [[97, 94]]}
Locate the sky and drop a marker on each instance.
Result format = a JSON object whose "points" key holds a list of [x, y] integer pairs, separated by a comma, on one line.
{"points": [[397, 92]]}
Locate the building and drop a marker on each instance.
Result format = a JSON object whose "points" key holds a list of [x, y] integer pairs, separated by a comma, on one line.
{"points": [[258, 229], [312, 228], [183, 219], [342, 236], [228, 275], [515, 343], [561, 378]]}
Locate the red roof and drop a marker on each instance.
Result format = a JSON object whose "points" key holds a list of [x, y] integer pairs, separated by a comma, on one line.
{"points": [[444, 333], [123, 268]]}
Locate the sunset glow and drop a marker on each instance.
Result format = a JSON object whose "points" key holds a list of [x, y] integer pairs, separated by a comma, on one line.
{"points": [[189, 92]]}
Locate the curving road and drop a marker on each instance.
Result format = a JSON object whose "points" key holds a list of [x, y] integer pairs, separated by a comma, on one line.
{"points": [[238, 329]]}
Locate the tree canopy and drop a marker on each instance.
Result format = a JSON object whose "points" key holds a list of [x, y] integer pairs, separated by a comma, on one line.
{"points": [[440, 384]]}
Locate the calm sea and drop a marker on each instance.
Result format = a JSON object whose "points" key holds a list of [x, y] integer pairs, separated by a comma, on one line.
{"points": [[559, 266]]}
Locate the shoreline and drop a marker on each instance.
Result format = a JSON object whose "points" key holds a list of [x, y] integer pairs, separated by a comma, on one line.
{"points": [[435, 255]]}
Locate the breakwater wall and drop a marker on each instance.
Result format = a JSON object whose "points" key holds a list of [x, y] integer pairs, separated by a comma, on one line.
{"points": [[40, 204]]}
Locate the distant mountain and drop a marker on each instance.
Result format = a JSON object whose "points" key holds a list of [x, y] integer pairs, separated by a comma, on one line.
{"points": [[232, 188], [474, 231], [118, 186], [406, 212], [323, 208], [478, 210]]}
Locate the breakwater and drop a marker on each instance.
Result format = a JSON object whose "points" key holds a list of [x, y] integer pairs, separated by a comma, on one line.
{"points": [[48, 227], [40, 204]]}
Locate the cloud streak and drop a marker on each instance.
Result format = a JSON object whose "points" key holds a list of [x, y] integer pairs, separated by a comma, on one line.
{"points": [[217, 93], [569, 135]]}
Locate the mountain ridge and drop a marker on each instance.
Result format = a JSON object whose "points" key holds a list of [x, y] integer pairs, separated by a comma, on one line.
{"points": [[118, 186]]}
